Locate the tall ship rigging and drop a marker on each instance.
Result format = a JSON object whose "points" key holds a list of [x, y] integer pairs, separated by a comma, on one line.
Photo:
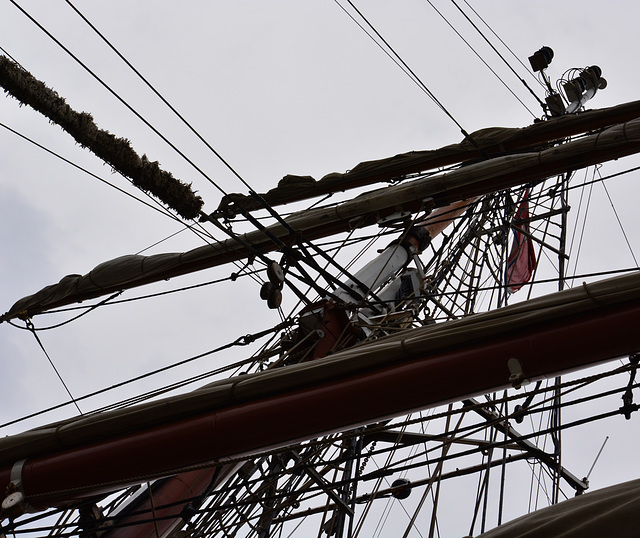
{"points": [[305, 432]]}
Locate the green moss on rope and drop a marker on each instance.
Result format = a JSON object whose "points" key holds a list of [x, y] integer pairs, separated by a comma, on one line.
{"points": [[117, 152]]}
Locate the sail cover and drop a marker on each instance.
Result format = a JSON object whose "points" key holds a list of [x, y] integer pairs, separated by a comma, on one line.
{"points": [[486, 142], [464, 183], [412, 370], [611, 511], [292, 187]]}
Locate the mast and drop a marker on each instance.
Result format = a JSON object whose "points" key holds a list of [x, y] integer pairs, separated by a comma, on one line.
{"points": [[409, 171]]}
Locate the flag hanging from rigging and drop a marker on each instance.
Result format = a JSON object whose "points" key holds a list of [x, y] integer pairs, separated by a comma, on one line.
{"points": [[522, 259]]}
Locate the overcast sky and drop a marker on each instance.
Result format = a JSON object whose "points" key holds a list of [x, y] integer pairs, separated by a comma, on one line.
{"points": [[275, 87]]}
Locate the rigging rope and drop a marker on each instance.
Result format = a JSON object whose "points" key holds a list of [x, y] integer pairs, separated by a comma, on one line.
{"points": [[233, 277], [481, 58], [35, 334], [409, 71], [157, 207], [526, 67], [615, 212], [87, 310], [240, 341], [542, 104], [160, 96]]}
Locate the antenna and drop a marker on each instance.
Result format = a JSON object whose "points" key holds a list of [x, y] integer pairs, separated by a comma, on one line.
{"points": [[586, 478]]}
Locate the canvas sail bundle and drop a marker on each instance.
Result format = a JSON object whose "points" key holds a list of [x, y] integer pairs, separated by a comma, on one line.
{"points": [[467, 182], [480, 144], [611, 511], [367, 383]]}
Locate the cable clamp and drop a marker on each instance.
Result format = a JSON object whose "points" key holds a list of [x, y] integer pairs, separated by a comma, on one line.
{"points": [[14, 504], [517, 378]]}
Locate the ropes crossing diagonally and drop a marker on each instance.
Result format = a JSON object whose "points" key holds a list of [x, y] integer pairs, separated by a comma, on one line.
{"points": [[481, 58], [117, 96], [526, 67], [161, 97], [407, 69], [540, 102]]}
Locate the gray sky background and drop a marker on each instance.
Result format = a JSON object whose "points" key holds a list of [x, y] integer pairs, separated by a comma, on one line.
{"points": [[276, 87]]}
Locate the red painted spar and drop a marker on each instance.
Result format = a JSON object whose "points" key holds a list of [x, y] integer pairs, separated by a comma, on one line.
{"points": [[337, 400]]}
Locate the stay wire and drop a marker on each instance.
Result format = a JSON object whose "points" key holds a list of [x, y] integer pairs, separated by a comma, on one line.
{"points": [[542, 104], [118, 97], [481, 58], [11, 57], [413, 74], [158, 208], [153, 204], [161, 97], [615, 212], [389, 55], [527, 69], [35, 335]]}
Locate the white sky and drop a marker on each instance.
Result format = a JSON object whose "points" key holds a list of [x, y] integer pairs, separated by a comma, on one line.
{"points": [[276, 87]]}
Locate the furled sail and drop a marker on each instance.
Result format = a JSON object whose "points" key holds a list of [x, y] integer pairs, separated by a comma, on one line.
{"points": [[94, 454], [464, 183], [486, 143], [611, 511]]}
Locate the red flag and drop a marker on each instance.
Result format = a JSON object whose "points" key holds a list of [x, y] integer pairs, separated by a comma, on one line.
{"points": [[522, 259]]}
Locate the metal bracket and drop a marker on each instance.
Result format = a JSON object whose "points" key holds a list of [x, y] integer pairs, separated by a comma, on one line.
{"points": [[14, 504], [395, 220], [517, 378]]}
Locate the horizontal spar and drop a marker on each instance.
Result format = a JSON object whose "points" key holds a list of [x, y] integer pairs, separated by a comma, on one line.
{"points": [[481, 144], [467, 182], [414, 370]]}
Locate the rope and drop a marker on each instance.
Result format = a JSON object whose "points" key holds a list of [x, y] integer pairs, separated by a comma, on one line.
{"points": [[33, 331]]}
